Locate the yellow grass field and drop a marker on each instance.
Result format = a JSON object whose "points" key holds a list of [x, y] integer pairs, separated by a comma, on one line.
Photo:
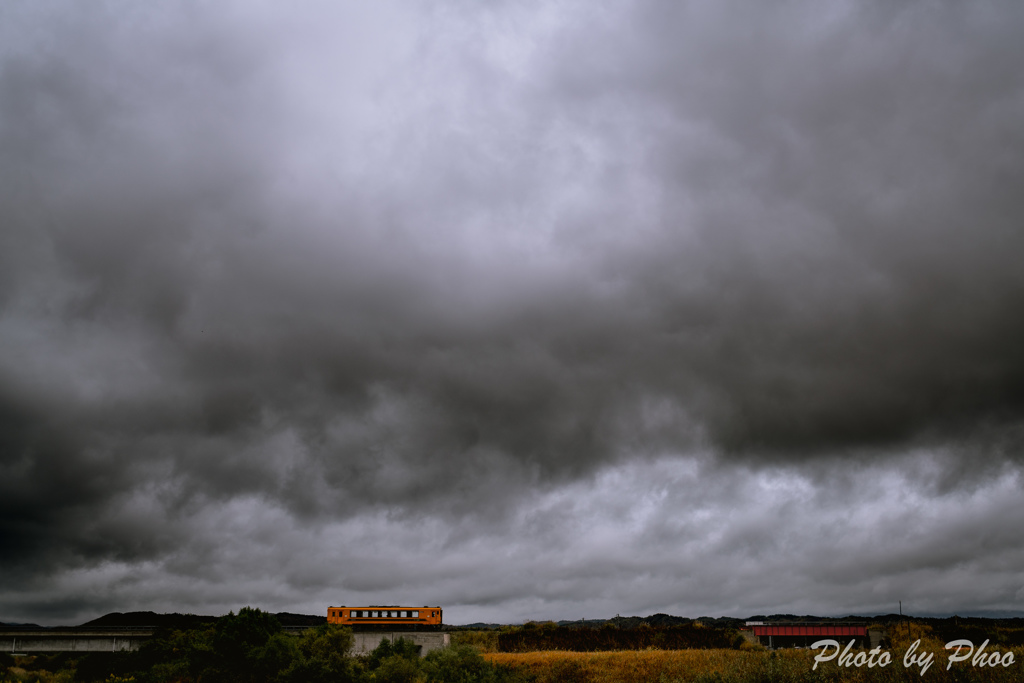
{"points": [[736, 666], [642, 666]]}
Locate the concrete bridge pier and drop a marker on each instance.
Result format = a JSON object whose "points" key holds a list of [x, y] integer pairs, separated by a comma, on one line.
{"points": [[364, 643]]}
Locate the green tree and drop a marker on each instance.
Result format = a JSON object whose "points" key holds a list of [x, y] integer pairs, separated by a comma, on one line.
{"points": [[174, 655], [248, 648], [322, 656], [397, 662], [403, 648], [236, 635]]}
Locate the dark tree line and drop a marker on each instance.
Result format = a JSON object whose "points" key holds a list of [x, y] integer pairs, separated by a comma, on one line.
{"points": [[251, 647], [549, 636]]}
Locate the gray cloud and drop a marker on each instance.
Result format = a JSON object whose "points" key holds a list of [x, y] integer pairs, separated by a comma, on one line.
{"points": [[424, 282]]}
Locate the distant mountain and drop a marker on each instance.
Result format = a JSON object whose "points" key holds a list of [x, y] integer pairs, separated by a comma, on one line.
{"points": [[4, 625], [291, 620], [142, 619], [185, 621]]}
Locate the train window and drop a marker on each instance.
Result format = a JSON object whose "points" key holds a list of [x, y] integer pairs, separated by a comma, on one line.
{"points": [[415, 614], [404, 614], [375, 614]]}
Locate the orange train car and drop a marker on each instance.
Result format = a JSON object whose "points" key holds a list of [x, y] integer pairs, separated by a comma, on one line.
{"points": [[391, 616]]}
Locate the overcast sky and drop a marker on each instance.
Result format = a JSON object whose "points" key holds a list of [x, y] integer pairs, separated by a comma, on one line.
{"points": [[532, 310]]}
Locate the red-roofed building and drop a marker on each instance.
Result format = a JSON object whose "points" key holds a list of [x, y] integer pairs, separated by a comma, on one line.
{"points": [[776, 634]]}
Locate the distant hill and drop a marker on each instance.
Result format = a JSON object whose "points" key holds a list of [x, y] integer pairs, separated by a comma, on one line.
{"points": [[4, 625], [184, 621], [588, 623], [289, 619], [142, 619]]}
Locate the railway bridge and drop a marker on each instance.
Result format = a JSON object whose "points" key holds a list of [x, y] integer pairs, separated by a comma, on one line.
{"points": [[129, 639], [31, 641]]}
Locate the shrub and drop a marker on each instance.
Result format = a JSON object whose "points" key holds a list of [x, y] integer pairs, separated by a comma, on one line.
{"points": [[397, 669], [458, 664], [483, 641]]}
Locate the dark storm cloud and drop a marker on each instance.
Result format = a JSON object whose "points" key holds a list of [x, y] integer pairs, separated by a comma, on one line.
{"points": [[349, 270], [841, 263]]}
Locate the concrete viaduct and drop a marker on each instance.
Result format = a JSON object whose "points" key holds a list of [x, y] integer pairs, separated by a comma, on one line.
{"points": [[130, 639]]}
